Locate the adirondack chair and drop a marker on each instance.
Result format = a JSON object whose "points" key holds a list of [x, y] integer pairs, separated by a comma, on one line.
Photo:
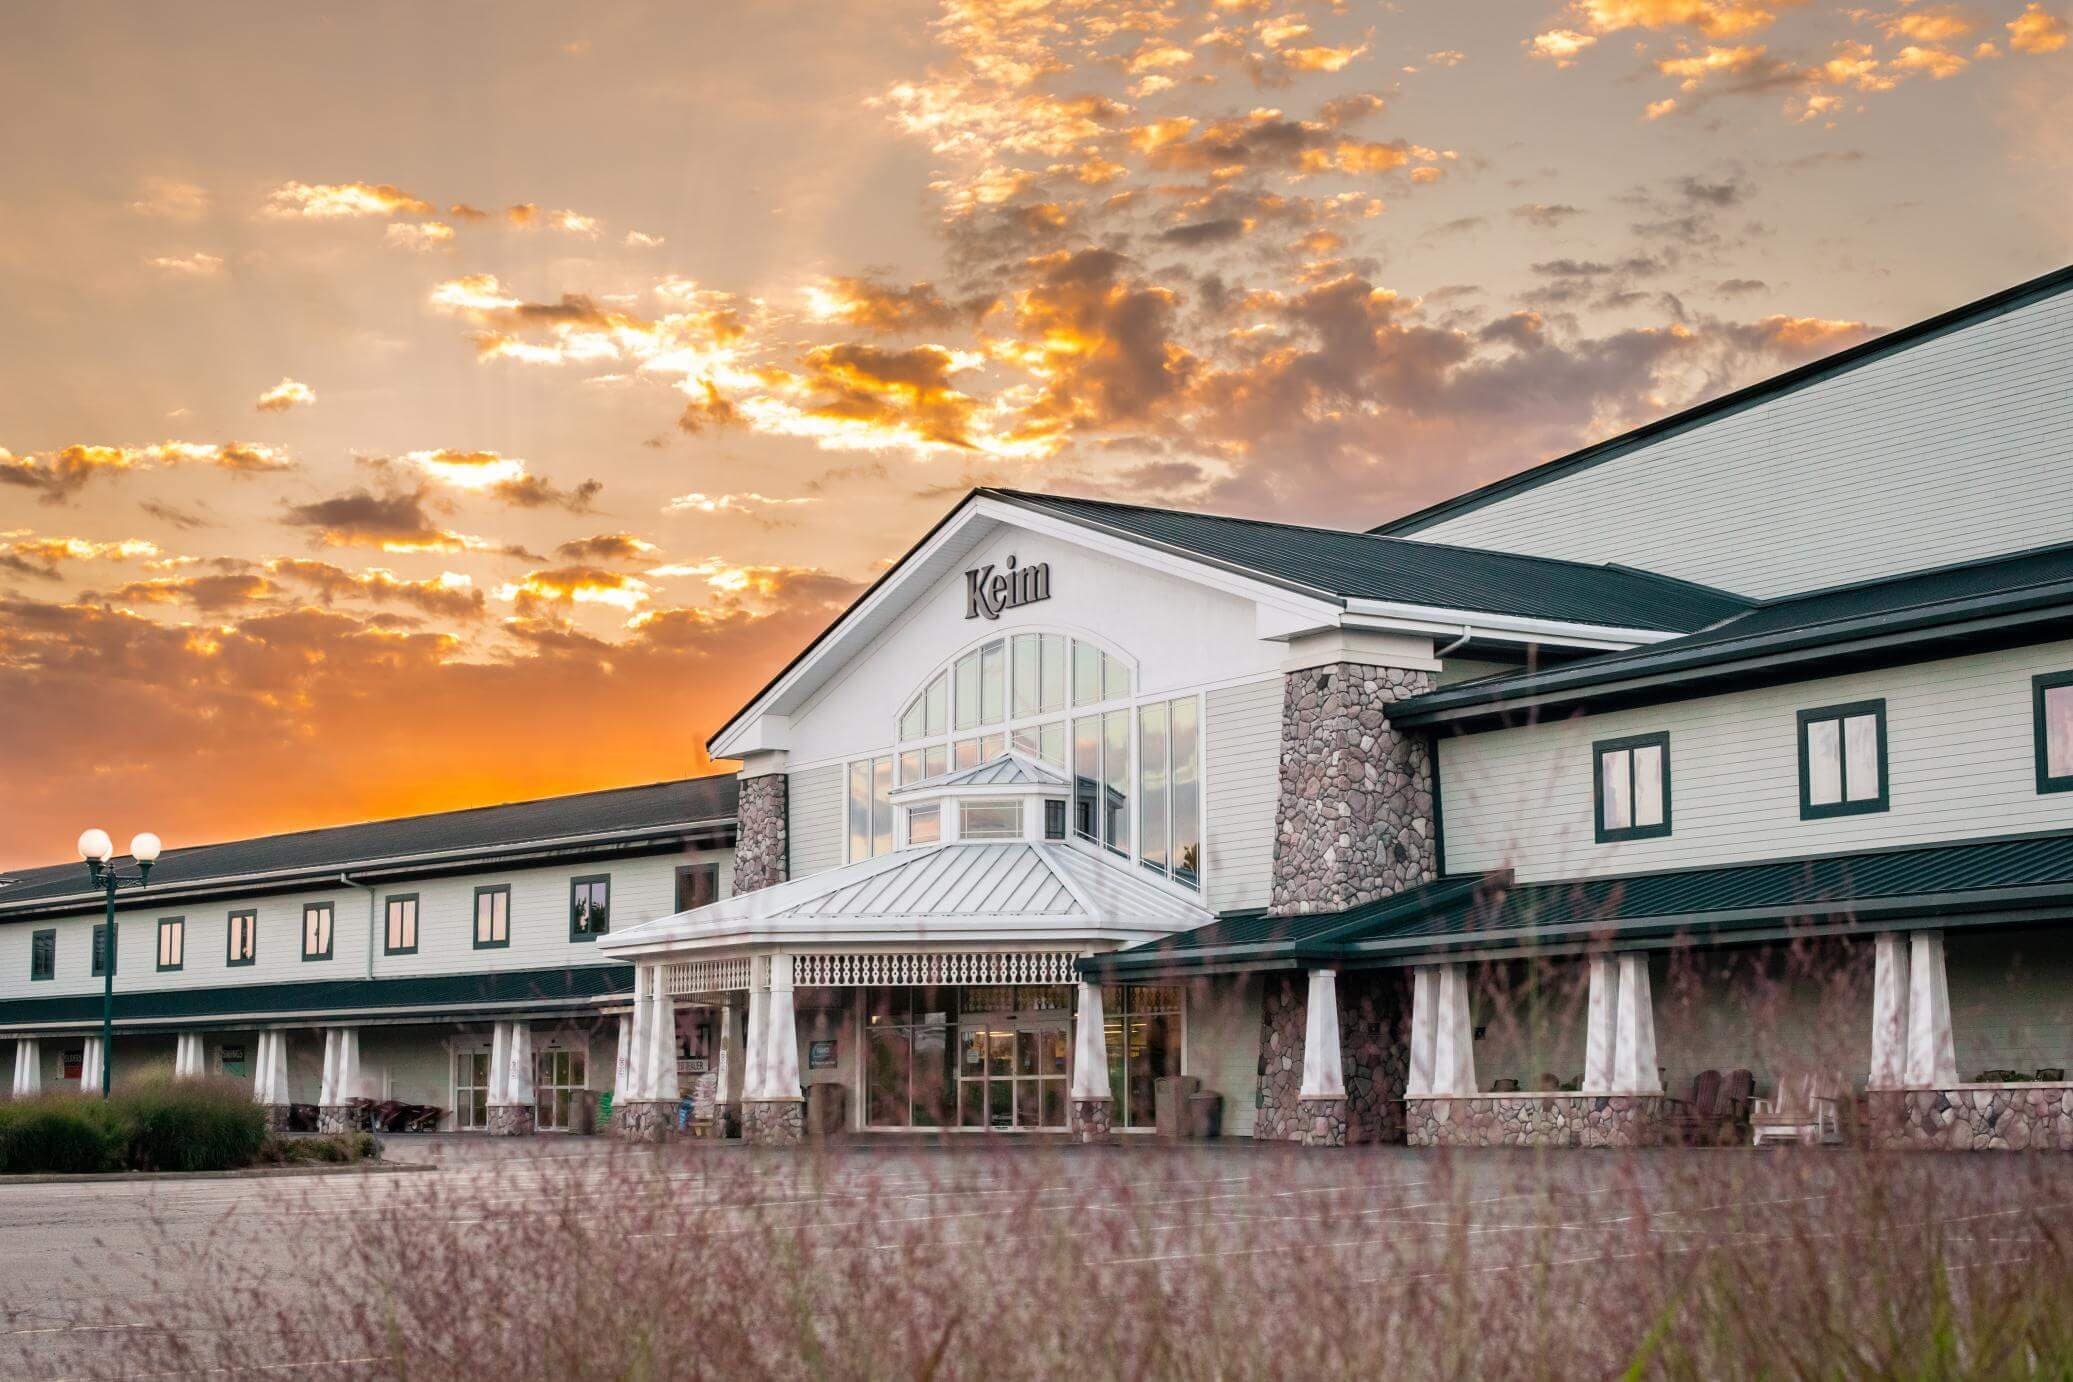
{"points": [[1806, 1109], [1696, 1120]]}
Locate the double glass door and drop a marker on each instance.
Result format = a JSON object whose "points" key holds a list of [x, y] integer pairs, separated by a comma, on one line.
{"points": [[557, 1075], [1013, 1071]]}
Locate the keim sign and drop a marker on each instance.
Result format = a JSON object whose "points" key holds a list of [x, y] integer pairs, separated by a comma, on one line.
{"points": [[989, 591]]}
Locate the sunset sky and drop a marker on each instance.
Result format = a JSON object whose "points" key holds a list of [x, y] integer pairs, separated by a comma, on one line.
{"points": [[410, 406]]}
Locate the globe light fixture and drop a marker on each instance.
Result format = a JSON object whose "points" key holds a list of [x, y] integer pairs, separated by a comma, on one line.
{"points": [[99, 853]]}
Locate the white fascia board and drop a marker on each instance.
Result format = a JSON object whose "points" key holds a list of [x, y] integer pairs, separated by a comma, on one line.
{"points": [[1439, 620], [892, 932], [1299, 607]]}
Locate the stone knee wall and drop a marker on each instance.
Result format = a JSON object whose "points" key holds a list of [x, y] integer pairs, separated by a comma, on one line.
{"points": [[1374, 1050], [2015, 1119], [1545, 1120], [761, 837], [1353, 821]]}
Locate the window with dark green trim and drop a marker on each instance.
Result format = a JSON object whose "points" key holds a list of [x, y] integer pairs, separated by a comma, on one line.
{"points": [[1630, 787], [399, 930], [2052, 697], [493, 916], [43, 955], [101, 955], [590, 906], [242, 944], [697, 885], [1842, 760], [317, 924], [172, 943]]}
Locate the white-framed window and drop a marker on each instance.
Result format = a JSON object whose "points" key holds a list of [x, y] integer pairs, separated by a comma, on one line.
{"points": [[870, 808], [989, 820], [925, 824], [1169, 788]]}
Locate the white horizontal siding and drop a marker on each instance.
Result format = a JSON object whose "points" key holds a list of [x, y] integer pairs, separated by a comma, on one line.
{"points": [[1223, 1049], [1242, 772], [1956, 448], [642, 890], [815, 801], [1961, 764]]}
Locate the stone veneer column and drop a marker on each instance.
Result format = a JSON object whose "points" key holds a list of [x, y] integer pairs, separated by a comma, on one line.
{"points": [[773, 1107], [1354, 819], [1093, 1102], [761, 833], [270, 1078], [511, 1099], [1374, 1047]]}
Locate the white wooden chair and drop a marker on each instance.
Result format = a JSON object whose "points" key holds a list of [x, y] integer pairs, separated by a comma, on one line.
{"points": [[1807, 1109]]}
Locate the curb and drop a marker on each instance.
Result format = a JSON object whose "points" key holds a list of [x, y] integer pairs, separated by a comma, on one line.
{"points": [[387, 1168]]}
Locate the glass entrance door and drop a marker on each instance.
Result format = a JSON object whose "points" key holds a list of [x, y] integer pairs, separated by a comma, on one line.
{"points": [[1012, 1071], [471, 1089], [557, 1075]]}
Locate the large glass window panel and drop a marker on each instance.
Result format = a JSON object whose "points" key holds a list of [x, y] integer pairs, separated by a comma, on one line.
{"points": [[911, 769], [1616, 777], [860, 810], [924, 824], [1186, 807], [935, 1083], [881, 805], [989, 820], [993, 683], [887, 1076], [915, 723], [967, 755], [938, 716], [992, 746], [1028, 659], [1086, 673], [1086, 762], [1115, 771], [1051, 699], [1115, 678], [1045, 742], [965, 696], [1152, 785], [1824, 762], [935, 760], [1648, 785], [1861, 757]]}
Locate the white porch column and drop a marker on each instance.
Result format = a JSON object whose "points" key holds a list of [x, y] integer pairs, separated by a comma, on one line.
{"points": [[499, 1064], [187, 1056], [1889, 1004], [270, 1069], [1454, 1035], [1932, 1061], [622, 1060], [1323, 1071], [1634, 1043], [1090, 1047], [90, 1067], [1601, 1033], [726, 1057], [1425, 983], [642, 1057], [28, 1068], [518, 1084], [662, 1017], [756, 1050], [781, 1062], [327, 1088]]}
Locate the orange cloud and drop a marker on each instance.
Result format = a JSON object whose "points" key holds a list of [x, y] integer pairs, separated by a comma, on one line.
{"points": [[575, 585], [289, 393], [31, 554], [59, 475], [200, 264], [419, 237], [2037, 31], [328, 201], [170, 199]]}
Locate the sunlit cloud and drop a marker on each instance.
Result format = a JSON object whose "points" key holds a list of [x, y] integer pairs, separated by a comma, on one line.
{"points": [[2037, 31], [326, 201], [642, 240], [398, 521], [170, 199], [450, 594], [289, 393], [583, 585], [419, 237], [30, 553], [750, 502], [607, 547], [200, 264], [59, 475]]}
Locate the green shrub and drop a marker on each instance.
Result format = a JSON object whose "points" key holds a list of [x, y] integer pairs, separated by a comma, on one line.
{"points": [[60, 1133], [339, 1147], [188, 1125]]}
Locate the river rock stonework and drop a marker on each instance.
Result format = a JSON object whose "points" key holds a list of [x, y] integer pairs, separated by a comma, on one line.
{"points": [[760, 849], [1092, 1119], [773, 1122], [644, 1120], [342, 1118], [509, 1120], [1374, 1053], [2015, 1118], [1537, 1120], [1322, 1122], [1353, 822]]}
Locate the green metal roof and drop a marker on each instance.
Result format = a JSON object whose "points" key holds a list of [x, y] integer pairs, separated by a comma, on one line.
{"points": [[1347, 565], [1997, 601], [1814, 372], [406, 846], [1967, 882], [435, 995]]}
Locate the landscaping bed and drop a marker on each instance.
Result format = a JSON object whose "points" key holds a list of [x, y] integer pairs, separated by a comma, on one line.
{"points": [[157, 1123]]}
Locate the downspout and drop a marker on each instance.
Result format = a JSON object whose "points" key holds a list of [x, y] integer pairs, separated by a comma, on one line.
{"points": [[347, 879], [1466, 631]]}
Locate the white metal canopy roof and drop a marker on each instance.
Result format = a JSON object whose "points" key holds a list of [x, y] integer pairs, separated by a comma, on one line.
{"points": [[1010, 892]]}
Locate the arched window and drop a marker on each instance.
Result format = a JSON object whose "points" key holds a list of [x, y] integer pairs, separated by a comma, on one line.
{"points": [[1062, 700]]}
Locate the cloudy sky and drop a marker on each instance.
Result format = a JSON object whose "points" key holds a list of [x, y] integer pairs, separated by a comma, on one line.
{"points": [[409, 406]]}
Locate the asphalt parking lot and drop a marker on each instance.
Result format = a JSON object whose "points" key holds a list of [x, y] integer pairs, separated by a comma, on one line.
{"points": [[82, 1261]]}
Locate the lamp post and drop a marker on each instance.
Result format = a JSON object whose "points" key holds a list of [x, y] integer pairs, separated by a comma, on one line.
{"points": [[99, 852]]}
